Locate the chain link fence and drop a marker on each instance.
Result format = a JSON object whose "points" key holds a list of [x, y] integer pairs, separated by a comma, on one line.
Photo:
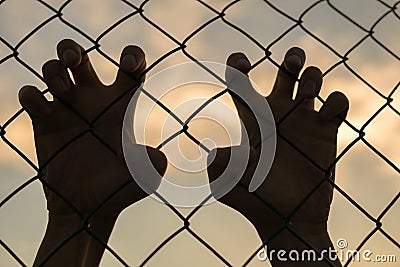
{"points": [[181, 46]]}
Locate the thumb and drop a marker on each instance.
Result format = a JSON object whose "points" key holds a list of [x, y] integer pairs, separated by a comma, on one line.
{"points": [[146, 164], [222, 166]]}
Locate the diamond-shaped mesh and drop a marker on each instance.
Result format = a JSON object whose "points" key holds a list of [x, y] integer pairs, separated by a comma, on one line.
{"points": [[340, 51]]}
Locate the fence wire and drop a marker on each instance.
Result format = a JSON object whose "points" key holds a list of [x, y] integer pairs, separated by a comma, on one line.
{"points": [[181, 47]]}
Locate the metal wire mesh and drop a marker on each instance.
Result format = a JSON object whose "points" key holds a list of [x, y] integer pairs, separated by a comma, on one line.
{"points": [[181, 47]]}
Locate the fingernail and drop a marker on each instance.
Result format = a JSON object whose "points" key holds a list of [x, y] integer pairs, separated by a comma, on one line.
{"points": [[309, 88], [128, 63], [294, 59], [242, 63], [58, 83], [70, 57]]}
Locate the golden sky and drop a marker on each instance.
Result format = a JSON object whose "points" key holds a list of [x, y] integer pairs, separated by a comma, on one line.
{"points": [[141, 228]]}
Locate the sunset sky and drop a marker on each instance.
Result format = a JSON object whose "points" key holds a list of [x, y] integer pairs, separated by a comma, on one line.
{"points": [[361, 173]]}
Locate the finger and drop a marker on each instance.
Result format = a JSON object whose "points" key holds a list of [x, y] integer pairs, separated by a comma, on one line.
{"points": [[132, 65], [33, 101], [56, 78], [74, 57], [288, 73], [335, 108], [238, 66], [240, 62], [310, 86]]}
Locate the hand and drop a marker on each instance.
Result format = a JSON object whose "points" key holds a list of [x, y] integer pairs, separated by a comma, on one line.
{"points": [[292, 176], [79, 153]]}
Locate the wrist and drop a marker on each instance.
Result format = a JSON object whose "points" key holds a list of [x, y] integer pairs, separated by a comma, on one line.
{"points": [[67, 221], [98, 224], [294, 231], [64, 243], [273, 228], [100, 230], [73, 220], [301, 244]]}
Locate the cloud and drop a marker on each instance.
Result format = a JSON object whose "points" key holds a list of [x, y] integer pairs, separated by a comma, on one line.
{"points": [[363, 174]]}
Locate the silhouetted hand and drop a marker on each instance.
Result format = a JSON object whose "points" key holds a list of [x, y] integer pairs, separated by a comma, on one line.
{"points": [[292, 176], [79, 151]]}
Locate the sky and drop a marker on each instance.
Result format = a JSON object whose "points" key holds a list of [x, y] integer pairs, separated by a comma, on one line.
{"points": [[361, 173]]}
